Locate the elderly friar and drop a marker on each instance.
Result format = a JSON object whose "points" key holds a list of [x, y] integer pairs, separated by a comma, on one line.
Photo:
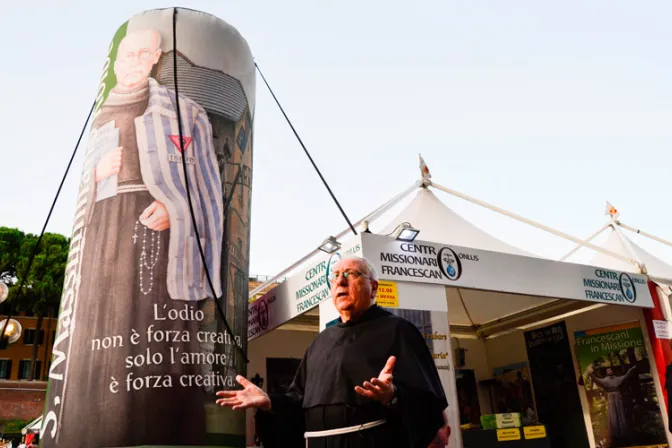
{"points": [[368, 381]]}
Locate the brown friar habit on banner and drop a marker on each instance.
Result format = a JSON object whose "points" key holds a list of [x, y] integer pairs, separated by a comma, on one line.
{"points": [[344, 356]]}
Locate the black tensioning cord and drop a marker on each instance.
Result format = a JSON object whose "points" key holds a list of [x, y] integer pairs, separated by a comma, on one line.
{"points": [[296, 134], [186, 179], [44, 227]]}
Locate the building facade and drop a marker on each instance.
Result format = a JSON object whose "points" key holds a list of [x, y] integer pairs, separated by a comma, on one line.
{"points": [[15, 360]]}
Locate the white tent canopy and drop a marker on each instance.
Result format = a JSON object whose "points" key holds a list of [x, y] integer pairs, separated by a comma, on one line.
{"points": [[438, 223], [618, 242], [472, 312]]}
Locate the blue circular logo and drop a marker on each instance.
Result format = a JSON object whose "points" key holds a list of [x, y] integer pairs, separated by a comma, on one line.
{"points": [[335, 258], [627, 287], [449, 263]]}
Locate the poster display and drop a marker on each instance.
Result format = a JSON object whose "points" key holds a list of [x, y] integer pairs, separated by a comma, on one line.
{"points": [[513, 392], [624, 408], [554, 385], [140, 348]]}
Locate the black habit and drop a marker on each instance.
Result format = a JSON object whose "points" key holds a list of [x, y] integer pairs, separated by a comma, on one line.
{"points": [[344, 356]]}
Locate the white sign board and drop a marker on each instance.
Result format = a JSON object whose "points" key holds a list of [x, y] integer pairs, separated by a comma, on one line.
{"points": [[299, 293], [663, 329], [432, 263], [426, 262]]}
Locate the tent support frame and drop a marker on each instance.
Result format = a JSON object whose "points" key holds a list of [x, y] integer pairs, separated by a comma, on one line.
{"points": [[534, 224], [616, 225], [646, 234], [628, 246], [541, 315], [370, 217], [425, 183], [589, 239]]}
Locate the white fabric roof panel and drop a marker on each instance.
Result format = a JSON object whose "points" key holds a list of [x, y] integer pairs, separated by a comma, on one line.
{"points": [[438, 223], [487, 306], [616, 243]]}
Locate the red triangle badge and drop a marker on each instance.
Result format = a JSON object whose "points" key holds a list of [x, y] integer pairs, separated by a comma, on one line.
{"points": [[186, 141]]}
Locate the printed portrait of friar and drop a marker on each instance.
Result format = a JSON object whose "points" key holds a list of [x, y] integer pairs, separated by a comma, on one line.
{"points": [[138, 211]]}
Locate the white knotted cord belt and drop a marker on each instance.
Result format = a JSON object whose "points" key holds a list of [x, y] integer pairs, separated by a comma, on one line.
{"points": [[339, 431]]}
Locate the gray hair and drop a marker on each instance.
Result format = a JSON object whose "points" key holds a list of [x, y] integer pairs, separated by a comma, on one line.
{"points": [[371, 271]]}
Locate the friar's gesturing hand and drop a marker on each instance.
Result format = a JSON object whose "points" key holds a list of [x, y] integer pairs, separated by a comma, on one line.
{"points": [[382, 388], [250, 397]]}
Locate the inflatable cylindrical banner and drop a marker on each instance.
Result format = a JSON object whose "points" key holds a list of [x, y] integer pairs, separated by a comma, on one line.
{"points": [[161, 231]]}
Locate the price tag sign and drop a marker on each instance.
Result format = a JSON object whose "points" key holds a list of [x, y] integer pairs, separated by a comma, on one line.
{"points": [[506, 435], [535, 432], [387, 295], [663, 329]]}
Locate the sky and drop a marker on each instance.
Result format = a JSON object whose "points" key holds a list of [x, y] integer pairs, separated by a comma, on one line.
{"points": [[546, 109]]}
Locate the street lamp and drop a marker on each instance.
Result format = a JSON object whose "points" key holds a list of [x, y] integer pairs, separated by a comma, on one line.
{"points": [[12, 332], [4, 292], [10, 329]]}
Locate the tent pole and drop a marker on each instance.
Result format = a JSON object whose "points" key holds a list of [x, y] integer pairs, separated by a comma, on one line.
{"points": [[648, 235], [371, 216], [589, 239], [281, 274], [534, 224], [628, 247], [660, 281], [385, 207]]}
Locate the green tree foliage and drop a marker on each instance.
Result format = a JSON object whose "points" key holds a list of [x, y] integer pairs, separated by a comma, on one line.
{"points": [[43, 285], [11, 241]]}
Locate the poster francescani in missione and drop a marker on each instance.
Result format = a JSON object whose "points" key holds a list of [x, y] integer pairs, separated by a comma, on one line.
{"points": [[141, 349], [620, 387]]}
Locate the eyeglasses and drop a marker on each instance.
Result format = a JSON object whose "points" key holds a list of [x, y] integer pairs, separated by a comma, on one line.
{"points": [[140, 55], [347, 274]]}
